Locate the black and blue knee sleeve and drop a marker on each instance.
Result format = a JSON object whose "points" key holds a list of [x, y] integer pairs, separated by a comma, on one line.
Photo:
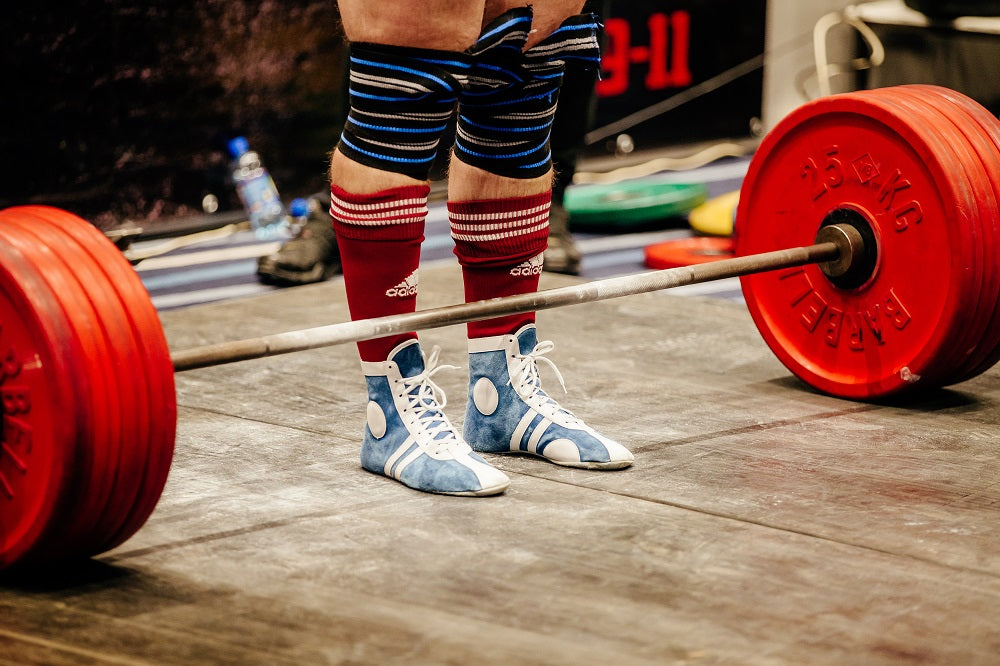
{"points": [[506, 110], [402, 100]]}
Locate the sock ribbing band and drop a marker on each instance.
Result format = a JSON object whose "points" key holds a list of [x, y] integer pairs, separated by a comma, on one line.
{"points": [[499, 244], [379, 237]]}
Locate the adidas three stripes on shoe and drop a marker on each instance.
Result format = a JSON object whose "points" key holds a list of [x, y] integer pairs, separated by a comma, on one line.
{"points": [[508, 412], [408, 437]]}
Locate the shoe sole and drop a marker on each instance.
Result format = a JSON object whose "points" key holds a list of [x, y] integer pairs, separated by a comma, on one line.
{"points": [[608, 466], [483, 492]]}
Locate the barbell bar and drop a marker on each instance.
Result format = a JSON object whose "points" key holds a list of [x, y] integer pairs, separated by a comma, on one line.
{"points": [[837, 248], [866, 244]]}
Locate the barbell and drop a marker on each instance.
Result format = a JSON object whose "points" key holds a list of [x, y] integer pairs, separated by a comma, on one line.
{"points": [[865, 242]]}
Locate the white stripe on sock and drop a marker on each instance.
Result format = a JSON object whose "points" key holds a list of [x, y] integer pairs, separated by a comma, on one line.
{"points": [[491, 237], [513, 224], [503, 215]]}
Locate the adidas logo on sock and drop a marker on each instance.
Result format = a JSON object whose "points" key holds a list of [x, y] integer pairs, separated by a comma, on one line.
{"points": [[404, 289], [532, 266]]}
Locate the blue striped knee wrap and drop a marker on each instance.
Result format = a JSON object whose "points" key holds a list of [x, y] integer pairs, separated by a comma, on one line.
{"points": [[401, 102], [506, 109]]}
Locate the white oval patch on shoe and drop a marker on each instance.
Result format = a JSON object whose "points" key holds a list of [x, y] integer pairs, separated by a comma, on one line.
{"points": [[562, 450], [376, 420], [485, 396]]}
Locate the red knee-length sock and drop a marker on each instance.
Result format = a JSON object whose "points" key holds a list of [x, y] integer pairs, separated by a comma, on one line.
{"points": [[499, 243], [379, 237]]}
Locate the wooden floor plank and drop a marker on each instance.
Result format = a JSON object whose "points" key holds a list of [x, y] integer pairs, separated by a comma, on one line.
{"points": [[762, 523]]}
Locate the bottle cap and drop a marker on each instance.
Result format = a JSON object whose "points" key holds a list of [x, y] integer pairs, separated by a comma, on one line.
{"points": [[238, 146], [299, 207]]}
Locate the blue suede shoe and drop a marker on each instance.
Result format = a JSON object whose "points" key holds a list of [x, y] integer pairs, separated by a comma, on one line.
{"points": [[508, 412], [408, 438]]}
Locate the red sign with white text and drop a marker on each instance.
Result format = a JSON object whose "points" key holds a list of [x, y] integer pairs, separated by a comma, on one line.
{"points": [[654, 50]]}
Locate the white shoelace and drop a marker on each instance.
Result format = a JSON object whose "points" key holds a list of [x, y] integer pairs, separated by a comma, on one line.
{"points": [[427, 403], [528, 384]]}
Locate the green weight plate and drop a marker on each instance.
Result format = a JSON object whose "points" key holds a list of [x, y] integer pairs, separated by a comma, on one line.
{"points": [[630, 204]]}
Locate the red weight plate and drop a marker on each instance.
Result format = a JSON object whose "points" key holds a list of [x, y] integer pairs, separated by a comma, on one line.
{"points": [[98, 446], [39, 389], [952, 129], [848, 153], [969, 177], [688, 251], [158, 368], [982, 131], [156, 417], [126, 462], [989, 126]]}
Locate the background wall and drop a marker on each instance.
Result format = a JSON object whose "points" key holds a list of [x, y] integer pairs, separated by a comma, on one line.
{"points": [[120, 110], [790, 60], [697, 61], [117, 109]]}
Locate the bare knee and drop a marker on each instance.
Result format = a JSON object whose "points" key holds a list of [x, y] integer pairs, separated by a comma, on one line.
{"points": [[447, 25], [547, 15]]}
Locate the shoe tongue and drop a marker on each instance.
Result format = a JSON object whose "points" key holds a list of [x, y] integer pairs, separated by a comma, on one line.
{"points": [[527, 339], [411, 363], [408, 359]]}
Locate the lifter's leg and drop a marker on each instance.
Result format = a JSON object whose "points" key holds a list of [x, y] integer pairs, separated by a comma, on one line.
{"points": [[404, 84], [500, 190]]}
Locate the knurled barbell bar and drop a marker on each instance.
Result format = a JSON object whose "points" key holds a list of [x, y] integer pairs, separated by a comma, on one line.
{"points": [[838, 249], [865, 240]]}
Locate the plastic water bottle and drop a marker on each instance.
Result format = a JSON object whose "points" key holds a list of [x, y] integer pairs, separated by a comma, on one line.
{"points": [[299, 212], [256, 190]]}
